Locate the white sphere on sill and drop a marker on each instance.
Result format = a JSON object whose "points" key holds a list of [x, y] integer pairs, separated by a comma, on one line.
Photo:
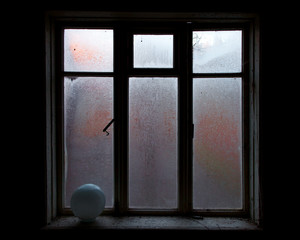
{"points": [[87, 202]]}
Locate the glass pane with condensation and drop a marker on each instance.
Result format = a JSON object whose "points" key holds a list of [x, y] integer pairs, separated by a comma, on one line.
{"points": [[217, 156], [153, 143], [217, 51], [153, 51], [88, 50], [88, 107]]}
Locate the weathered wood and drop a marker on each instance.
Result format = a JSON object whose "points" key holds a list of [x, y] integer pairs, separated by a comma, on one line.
{"points": [[154, 223]]}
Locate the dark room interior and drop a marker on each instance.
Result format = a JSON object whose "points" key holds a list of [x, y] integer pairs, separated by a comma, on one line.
{"points": [[33, 102]]}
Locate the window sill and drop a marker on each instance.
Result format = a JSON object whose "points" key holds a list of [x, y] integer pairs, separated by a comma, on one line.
{"points": [[153, 223]]}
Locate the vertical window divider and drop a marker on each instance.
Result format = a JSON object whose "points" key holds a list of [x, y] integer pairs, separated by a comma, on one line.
{"points": [[189, 114], [246, 45], [181, 124], [185, 120], [58, 122], [117, 144], [121, 123], [59, 84]]}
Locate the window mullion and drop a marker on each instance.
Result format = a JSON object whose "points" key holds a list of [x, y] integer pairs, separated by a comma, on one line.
{"points": [[189, 115], [121, 122], [185, 121]]}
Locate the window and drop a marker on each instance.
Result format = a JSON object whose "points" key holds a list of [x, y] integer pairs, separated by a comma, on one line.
{"points": [[88, 105], [183, 140], [153, 143], [217, 117]]}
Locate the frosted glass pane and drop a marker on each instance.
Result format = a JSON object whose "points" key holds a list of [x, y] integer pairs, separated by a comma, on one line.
{"points": [[217, 51], [88, 50], [153, 51], [153, 142], [88, 151], [217, 161]]}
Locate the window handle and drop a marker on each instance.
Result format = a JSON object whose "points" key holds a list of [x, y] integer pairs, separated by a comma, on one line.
{"points": [[107, 126]]}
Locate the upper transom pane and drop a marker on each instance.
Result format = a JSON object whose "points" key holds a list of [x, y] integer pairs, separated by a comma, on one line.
{"points": [[153, 51], [88, 50], [217, 51]]}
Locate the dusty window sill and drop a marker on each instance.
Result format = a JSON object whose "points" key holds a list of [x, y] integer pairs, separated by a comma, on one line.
{"points": [[153, 223]]}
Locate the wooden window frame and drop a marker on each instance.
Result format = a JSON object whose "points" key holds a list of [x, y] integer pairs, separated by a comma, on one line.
{"points": [[181, 25]]}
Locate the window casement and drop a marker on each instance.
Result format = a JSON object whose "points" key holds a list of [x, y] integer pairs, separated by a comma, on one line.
{"points": [[182, 91]]}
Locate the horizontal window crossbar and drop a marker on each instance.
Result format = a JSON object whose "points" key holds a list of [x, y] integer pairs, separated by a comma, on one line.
{"points": [[217, 75], [88, 74], [153, 75], [153, 72]]}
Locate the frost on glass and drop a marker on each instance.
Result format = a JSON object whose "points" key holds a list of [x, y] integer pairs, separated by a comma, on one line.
{"points": [[88, 151], [217, 51], [217, 157], [88, 50], [153, 142], [153, 51]]}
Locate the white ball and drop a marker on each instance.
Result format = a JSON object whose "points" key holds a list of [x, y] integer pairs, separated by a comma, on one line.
{"points": [[87, 202]]}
